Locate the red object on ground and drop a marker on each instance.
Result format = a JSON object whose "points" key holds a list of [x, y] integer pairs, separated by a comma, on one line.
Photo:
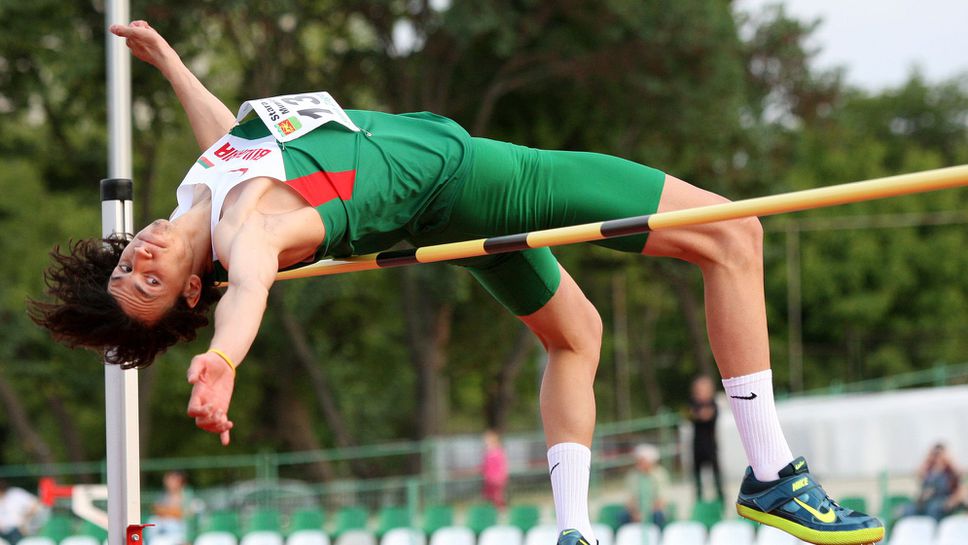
{"points": [[50, 491]]}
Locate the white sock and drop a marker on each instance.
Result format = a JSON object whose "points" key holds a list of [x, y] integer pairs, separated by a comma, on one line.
{"points": [[751, 399], [570, 465]]}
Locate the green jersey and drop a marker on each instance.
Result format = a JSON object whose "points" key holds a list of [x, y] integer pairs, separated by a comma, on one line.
{"points": [[376, 186]]}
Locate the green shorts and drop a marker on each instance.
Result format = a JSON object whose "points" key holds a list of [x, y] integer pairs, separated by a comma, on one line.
{"points": [[514, 189]]}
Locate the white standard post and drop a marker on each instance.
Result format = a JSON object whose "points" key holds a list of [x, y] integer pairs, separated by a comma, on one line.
{"points": [[120, 387]]}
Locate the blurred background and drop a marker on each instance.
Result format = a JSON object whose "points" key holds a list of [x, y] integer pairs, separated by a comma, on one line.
{"points": [[371, 390]]}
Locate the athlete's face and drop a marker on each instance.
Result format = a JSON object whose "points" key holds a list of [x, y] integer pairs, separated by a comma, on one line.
{"points": [[154, 270]]}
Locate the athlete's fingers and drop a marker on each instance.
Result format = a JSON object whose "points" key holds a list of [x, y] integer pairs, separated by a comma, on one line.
{"points": [[224, 437], [120, 30]]}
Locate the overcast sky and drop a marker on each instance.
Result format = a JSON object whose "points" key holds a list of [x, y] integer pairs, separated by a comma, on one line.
{"points": [[879, 41]]}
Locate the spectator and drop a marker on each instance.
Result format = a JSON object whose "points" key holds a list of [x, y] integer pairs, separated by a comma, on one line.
{"points": [[494, 469], [941, 490], [17, 509], [170, 511], [646, 484], [703, 413]]}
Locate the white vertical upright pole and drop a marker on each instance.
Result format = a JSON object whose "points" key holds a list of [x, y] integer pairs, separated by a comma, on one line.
{"points": [[120, 387]]}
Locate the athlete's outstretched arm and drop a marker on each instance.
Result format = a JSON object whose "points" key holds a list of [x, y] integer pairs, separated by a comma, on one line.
{"points": [[209, 117], [252, 269]]}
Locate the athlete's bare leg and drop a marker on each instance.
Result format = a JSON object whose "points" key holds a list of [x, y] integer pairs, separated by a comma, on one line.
{"points": [[570, 329], [730, 256]]}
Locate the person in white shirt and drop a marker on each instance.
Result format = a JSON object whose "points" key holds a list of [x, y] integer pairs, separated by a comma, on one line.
{"points": [[17, 508]]}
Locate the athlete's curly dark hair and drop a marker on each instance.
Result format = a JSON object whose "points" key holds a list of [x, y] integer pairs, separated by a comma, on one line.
{"points": [[85, 314]]}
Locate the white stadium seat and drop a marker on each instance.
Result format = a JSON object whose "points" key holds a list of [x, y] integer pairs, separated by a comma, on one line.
{"points": [[913, 531], [453, 535], [632, 534], [604, 534], [308, 537], [732, 532], [684, 532], [543, 534], [80, 540], [953, 530], [216, 538], [36, 540], [163, 539], [768, 535], [502, 535], [355, 537], [404, 536], [262, 537]]}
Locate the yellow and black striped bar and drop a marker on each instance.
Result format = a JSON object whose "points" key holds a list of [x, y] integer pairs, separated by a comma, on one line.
{"points": [[879, 188]]}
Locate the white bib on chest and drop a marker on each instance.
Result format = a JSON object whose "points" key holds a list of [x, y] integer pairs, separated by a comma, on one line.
{"points": [[233, 160]]}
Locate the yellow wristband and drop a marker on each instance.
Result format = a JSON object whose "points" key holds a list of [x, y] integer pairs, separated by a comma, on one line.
{"points": [[225, 358]]}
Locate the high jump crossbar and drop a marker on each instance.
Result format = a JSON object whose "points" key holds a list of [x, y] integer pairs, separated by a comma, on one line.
{"points": [[821, 197]]}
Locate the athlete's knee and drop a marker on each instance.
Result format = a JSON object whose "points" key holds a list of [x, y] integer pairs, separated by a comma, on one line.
{"points": [[583, 335], [578, 330], [735, 243]]}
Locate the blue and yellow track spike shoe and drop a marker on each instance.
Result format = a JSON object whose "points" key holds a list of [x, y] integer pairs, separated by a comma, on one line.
{"points": [[798, 505], [571, 537]]}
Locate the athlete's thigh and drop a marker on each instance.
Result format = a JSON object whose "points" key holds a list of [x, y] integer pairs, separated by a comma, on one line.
{"points": [[683, 242], [523, 282], [513, 189]]}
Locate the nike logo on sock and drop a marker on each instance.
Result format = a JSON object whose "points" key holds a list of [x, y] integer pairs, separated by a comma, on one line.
{"points": [[553, 468], [750, 397]]}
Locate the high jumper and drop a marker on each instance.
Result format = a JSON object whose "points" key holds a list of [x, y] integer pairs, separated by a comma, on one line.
{"points": [[305, 179]]}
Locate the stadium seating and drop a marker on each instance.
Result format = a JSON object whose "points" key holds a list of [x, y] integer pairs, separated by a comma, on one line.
{"points": [[263, 520], [685, 532], [161, 539], [222, 521], [612, 514], [307, 537], [854, 503], [307, 519], [637, 534], [524, 516], [436, 517], [355, 537], [391, 518], [350, 518], [404, 536], [481, 516], [768, 535], [37, 540], [913, 531], [892, 508], [603, 533], [88, 528], [80, 540], [708, 512], [216, 537], [262, 537], [502, 535], [953, 531], [57, 527], [543, 534], [452, 535], [732, 532]]}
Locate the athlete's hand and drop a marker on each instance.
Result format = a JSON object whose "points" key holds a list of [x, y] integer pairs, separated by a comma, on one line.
{"points": [[146, 44], [213, 382]]}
